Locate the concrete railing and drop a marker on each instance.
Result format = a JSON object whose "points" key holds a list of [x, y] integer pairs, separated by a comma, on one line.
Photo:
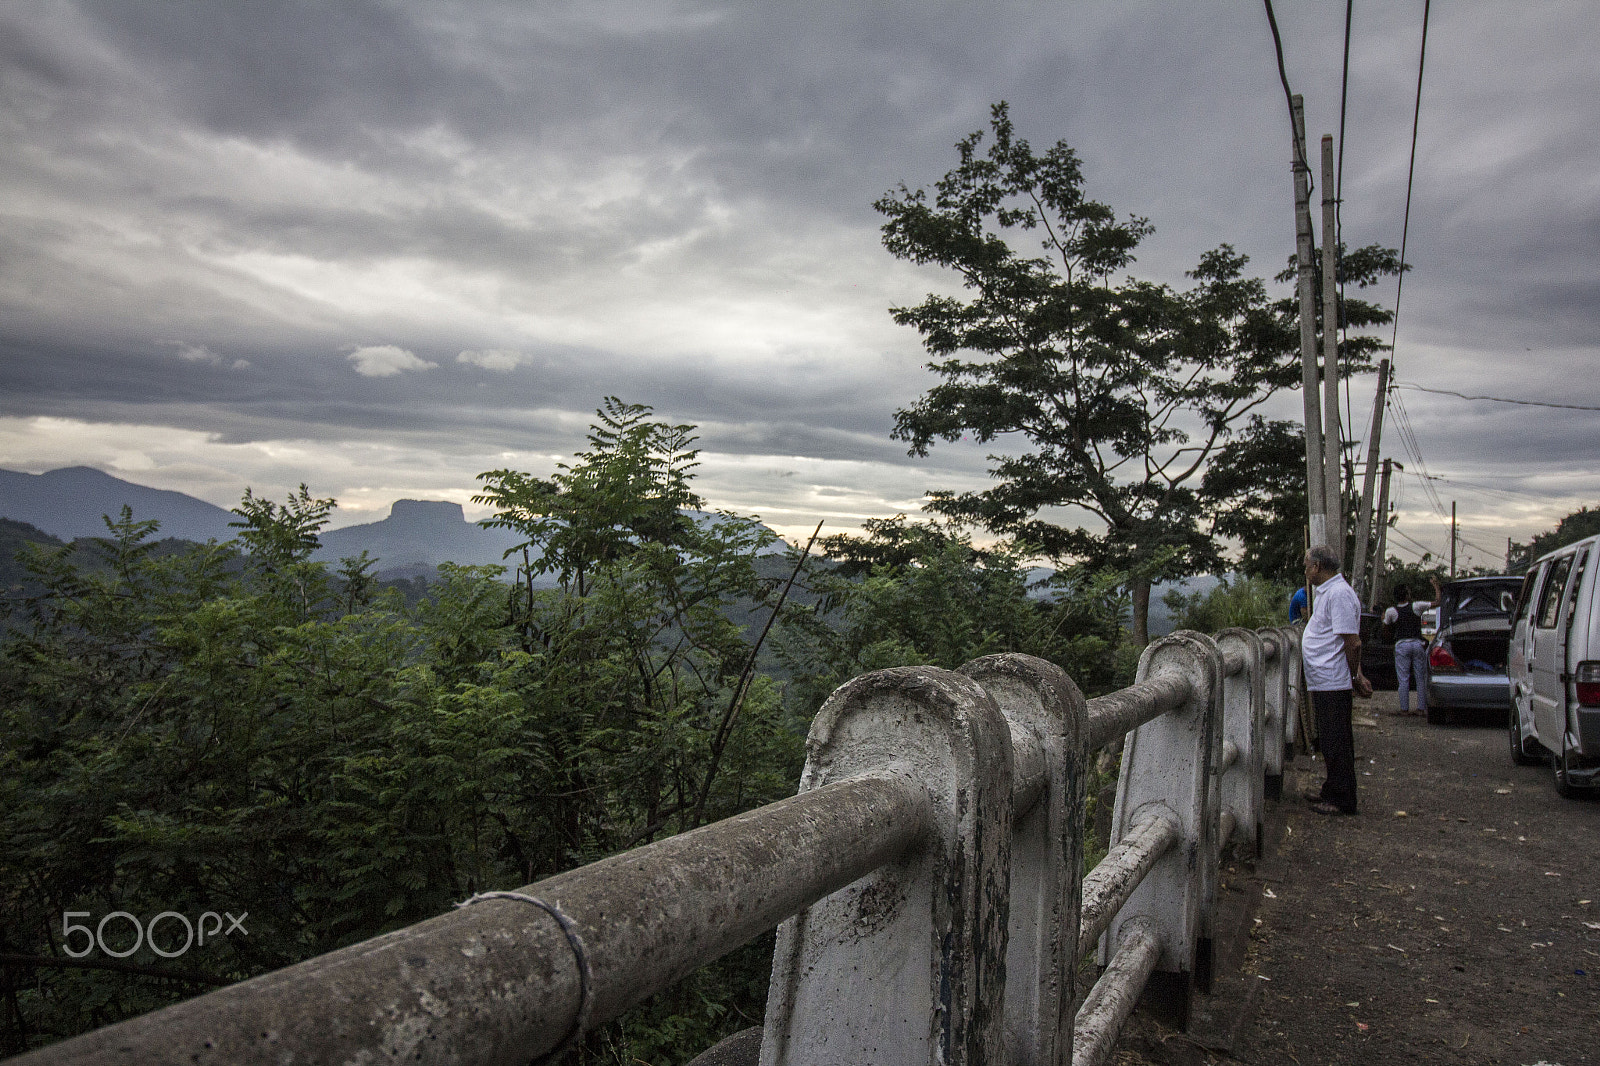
{"points": [[926, 878]]}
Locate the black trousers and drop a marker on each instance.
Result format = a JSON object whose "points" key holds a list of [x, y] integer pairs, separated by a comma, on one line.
{"points": [[1338, 743]]}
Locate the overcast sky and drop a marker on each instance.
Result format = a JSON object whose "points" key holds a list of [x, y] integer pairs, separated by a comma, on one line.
{"points": [[381, 248]]}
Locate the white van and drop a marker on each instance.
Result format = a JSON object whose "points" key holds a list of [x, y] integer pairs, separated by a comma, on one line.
{"points": [[1555, 667]]}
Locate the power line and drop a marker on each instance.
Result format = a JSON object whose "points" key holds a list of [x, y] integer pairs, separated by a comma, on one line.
{"points": [[1338, 196], [1479, 486], [1497, 399], [1411, 171], [1419, 545], [1288, 94]]}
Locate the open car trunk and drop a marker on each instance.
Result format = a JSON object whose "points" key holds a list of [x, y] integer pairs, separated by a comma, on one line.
{"points": [[1481, 652], [1475, 621]]}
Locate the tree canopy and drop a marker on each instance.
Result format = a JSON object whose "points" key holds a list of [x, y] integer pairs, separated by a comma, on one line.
{"points": [[1111, 393], [1584, 522]]}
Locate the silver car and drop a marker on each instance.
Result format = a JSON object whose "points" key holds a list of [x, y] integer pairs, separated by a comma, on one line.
{"points": [[1467, 656]]}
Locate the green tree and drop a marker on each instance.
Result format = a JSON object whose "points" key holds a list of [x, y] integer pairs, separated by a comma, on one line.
{"points": [[1248, 602], [1255, 491], [1117, 392], [913, 593], [1584, 522]]}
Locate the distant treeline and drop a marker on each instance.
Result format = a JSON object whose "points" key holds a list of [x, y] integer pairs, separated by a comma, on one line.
{"points": [[233, 728]]}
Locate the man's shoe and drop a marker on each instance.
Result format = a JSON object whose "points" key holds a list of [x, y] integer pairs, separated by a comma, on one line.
{"points": [[1327, 808]]}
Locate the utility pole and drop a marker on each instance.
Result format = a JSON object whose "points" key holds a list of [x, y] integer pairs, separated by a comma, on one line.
{"points": [[1332, 438], [1358, 568], [1316, 500], [1379, 560], [1452, 540]]}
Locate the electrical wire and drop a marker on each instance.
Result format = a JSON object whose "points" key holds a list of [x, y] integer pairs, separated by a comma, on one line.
{"points": [[1497, 399], [1417, 543], [1288, 94], [1338, 208], [1411, 172], [1408, 438]]}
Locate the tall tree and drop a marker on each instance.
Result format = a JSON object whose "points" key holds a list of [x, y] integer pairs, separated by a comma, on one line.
{"points": [[1114, 393], [1584, 522]]}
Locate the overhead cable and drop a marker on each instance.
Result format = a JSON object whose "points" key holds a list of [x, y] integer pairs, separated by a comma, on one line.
{"points": [[1411, 171], [1288, 94], [1497, 399]]}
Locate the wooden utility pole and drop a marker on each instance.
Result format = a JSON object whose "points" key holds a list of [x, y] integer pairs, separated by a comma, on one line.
{"points": [[1381, 558], [1332, 438], [1358, 568], [1316, 500]]}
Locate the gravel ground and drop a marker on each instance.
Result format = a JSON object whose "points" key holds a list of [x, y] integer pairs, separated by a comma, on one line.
{"points": [[1456, 919]]}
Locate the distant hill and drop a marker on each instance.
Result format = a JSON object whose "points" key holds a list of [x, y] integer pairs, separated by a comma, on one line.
{"points": [[417, 536], [14, 536], [411, 542], [68, 503]]}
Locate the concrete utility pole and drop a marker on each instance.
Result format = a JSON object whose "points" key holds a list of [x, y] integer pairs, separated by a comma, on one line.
{"points": [[1316, 499], [1452, 540], [1379, 560], [1332, 438], [1358, 568]]}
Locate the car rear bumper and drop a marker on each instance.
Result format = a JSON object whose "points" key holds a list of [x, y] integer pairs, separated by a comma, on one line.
{"points": [[1469, 691]]}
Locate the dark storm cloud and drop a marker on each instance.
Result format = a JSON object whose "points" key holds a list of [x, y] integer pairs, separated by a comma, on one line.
{"points": [[210, 210]]}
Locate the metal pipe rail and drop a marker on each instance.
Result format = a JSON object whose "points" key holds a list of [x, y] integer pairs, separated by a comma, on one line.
{"points": [[926, 878]]}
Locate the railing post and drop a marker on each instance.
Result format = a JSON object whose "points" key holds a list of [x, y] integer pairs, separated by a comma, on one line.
{"points": [[1243, 714], [1275, 724], [1049, 735], [1166, 768], [906, 965], [1304, 734]]}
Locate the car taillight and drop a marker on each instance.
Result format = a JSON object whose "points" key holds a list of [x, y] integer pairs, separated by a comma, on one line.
{"points": [[1440, 658], [1588, 681]]}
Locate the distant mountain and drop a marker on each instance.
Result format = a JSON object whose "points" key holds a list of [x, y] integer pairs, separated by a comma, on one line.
{"points": [[68, 503], [14, 536], [412, 541], [417, 536]]}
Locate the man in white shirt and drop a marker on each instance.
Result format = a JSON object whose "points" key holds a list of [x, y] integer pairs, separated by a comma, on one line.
{"points": [[1330, 650]]}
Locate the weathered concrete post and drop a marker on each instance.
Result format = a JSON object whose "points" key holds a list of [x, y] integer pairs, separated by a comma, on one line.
{"points": [[1211, 840], [1166, 773], [1049, 738], [906, 965], [1276, 726], [1244, 703], [1304, 735]]}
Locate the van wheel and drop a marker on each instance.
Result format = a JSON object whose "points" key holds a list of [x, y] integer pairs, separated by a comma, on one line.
{"points": [[1519, 743], [1558, 762], [1438, 715]]}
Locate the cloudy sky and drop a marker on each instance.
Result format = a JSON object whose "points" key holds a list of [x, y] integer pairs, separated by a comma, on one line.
{"points": [[382, 247]]}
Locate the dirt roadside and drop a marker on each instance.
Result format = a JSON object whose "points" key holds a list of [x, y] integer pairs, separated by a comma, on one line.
{"points": [[1456, 919]]}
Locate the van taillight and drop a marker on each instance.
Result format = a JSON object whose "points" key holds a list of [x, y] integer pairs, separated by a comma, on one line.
{"points": [[1441, 659], [1588, 681]]}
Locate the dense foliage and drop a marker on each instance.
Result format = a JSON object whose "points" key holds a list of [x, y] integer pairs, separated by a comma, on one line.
{"points": [[1584, 522], [234, 728], [1243, 601], [1117, 391]]}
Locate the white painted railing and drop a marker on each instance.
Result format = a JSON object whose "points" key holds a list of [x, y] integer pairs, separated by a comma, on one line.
{"points": [[926, 878]]}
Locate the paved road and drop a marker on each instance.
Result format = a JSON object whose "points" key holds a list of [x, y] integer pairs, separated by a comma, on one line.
{"points": [[1455, 920]]}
